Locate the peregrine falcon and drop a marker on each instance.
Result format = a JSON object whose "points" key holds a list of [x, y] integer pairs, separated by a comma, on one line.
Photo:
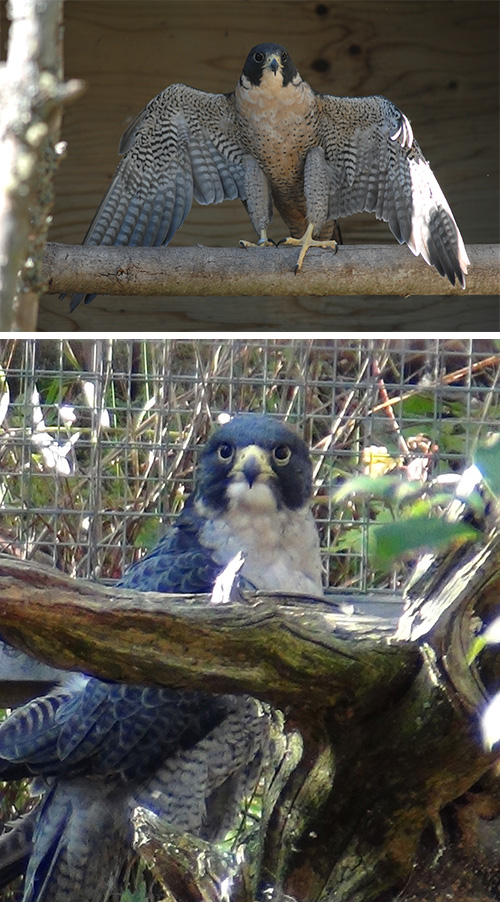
{"points": [[276, 139], [98, 749]]}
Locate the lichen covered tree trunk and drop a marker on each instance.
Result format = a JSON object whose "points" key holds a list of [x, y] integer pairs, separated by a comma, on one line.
{"points": [[31, 99], [381, 764]]}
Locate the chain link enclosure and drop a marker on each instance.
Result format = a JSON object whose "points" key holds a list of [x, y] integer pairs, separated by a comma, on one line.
{"points": [[98, 438]]}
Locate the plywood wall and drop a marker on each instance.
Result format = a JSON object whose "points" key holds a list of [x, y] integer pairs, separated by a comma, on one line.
{"points": [[437, 60]]}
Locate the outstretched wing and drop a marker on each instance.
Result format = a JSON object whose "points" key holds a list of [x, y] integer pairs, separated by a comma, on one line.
{"points": [[377, 166], [183, 144]]}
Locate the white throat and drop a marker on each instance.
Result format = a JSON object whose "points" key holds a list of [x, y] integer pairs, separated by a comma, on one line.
{"points": [[281, 547]]}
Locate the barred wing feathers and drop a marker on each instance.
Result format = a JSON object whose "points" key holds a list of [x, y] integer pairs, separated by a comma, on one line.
{"points": [[183, 145], [376, 166]]}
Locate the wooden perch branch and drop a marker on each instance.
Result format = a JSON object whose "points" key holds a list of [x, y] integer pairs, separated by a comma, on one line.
{"points": [[273, 646], [219, 272]]}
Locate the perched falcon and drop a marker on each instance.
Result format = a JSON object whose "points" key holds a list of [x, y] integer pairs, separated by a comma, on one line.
{"points": [[97, 749], [274, 138]]}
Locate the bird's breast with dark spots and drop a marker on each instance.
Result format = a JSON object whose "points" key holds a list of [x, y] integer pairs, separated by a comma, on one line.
{"points": [[278, 131]]}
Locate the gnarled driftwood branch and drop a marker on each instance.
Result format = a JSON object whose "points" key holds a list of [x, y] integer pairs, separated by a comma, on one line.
{"points": [[389, 722]]}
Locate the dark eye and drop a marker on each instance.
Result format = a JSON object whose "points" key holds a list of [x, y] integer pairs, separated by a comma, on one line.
{"points": [[281, 455], [284, 57], [225, 452], [258, 57]]}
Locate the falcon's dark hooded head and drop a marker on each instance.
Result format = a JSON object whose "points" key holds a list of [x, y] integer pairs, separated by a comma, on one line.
{"points": [[251, 457], [265, 58]]}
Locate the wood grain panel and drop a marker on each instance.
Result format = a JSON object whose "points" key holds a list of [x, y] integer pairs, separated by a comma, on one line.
{"points": [[275, 314], [437, 61]]}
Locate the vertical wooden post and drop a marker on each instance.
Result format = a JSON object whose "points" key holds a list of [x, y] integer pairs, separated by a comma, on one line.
{"points": [[31, 95]]}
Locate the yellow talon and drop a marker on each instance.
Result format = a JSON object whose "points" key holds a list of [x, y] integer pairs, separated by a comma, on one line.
{"points": [[306, 242], [263, 241]]}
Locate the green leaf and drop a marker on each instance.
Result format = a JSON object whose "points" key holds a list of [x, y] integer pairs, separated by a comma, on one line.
{"points": [[424, 506], [149, 534], [138, 895], [417, 406], [378, 486], [487, 459], [400, 539], [491, 636], [408, 491], [351, 540]]}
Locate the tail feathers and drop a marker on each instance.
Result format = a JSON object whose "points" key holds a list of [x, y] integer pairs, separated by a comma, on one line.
{"points": [[80, 842], [15, 847], [200, 790]]}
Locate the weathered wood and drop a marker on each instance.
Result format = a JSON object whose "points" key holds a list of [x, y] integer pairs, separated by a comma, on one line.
{"points": [[188, 867], [274, 647], [259, 271], [410, 759], [25, 89], [31, 97], [389, 728], [279, 315], [437, 61], [390, 784]]}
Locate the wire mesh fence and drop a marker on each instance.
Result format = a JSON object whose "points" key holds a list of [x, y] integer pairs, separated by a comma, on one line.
{"points": [[98, 438]]}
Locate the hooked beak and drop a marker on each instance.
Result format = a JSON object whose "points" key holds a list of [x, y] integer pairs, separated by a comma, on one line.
{"points": [[252, 462], [274, 64]]}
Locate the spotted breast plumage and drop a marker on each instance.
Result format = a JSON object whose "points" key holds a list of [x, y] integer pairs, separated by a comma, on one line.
{"points": [[275, 139], [98, 749]]}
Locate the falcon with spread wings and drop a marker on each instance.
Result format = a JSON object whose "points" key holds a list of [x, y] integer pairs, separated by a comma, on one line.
{"points": [[275, 140]]}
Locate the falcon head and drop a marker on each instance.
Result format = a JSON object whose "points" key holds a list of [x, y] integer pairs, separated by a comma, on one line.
{"points": [[254, 461], [266, 62]]}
